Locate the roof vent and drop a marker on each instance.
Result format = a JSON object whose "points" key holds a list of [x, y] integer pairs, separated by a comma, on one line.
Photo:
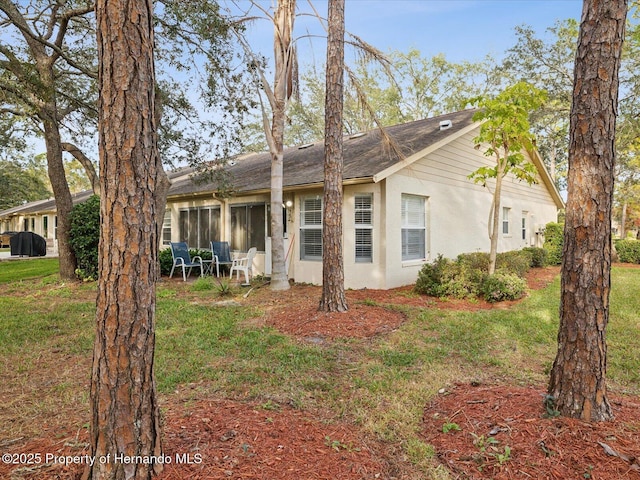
{"points": [[306, 145], [445, 125], [358, 135]]}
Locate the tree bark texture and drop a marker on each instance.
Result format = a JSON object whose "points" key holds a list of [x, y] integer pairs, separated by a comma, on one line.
{"points": [[125, 415], [578, 377], [333, 296], [282, 86]]}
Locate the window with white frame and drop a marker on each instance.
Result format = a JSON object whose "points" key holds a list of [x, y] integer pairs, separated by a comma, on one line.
{"points": [[524, 225], [364, 227], [414, 228], [311, 228], [506, 229], [166, 227]]}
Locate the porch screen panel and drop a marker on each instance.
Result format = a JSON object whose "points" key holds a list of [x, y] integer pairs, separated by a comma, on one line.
{"points": [[413, 227], [364, 228], [257, 227], [239, 228], [311, 229]]}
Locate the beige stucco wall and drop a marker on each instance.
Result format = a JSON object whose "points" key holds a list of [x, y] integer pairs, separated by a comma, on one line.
{"points": [[458, 209], [357, 275]]}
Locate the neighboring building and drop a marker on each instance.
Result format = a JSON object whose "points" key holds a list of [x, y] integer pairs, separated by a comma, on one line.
{"points": [[399, 211]]}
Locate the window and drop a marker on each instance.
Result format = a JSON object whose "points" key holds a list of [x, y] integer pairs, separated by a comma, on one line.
{"points": [[198, 226], [524, 225], [166, 227], [45, 226], [505, 221], [248, 227], [311, 229], [413, 227], [364, 228]]}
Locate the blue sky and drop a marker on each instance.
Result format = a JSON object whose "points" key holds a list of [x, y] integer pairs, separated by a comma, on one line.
{"points": [[460, 29]]}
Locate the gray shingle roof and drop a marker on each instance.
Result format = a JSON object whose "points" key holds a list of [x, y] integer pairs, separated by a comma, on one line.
{"points": [[365, 155]]}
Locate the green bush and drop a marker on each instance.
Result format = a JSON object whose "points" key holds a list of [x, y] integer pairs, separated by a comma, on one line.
{"points": [[517, 262], [474, 261], [554, 242], [468, 275], [628, 250], [502, 286], [431, 275], [448, 278], [538, 256], [84, 237], [166, 261]]}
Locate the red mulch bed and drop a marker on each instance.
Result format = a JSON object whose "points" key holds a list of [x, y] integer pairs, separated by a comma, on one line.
{"points": [[540, 448], [234, 440]]}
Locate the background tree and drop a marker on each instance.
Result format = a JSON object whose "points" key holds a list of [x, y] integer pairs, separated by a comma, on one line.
{"points": [[125, 414], [333, 298], [547, 64], [41, 81], [578, 377], [18, 185], [505, 135]]}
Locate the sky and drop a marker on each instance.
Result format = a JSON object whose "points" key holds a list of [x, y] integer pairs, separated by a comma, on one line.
{"points": [[459, 29]]}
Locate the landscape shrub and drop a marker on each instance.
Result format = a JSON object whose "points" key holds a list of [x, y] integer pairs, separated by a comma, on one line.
{"points": [[554, 242], [474, 261], [538, 256], [430, 277], [517, 262], [468, 275], [84, 237], [503, 286], [628, 250]]}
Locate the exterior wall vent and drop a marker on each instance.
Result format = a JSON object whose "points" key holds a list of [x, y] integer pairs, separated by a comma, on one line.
{"points": [[358, 135], [445, 125]]}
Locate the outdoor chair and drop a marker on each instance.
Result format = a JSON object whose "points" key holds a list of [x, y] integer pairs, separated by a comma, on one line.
{"points": [[220, 255], [182, 259], [244, 265]]}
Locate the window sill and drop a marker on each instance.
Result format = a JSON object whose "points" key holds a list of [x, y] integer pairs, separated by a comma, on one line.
{"points": [[414, 263]]}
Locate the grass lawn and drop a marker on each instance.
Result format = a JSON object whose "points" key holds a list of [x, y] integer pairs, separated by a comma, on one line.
{"points": [[204, 350]]}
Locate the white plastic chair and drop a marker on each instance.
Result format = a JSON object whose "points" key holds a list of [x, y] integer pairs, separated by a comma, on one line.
{"points": [[244, 265]]}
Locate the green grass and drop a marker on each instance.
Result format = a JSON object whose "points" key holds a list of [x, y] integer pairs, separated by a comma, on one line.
{"points": [[381, 383], [19, 270]]}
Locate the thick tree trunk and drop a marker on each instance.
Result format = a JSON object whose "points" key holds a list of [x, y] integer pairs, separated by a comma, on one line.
{"points": [[577, 382], [333, 297], [125, 427], [64, 203]]}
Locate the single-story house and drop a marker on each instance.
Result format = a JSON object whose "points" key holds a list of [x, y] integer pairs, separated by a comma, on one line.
{"points": [[407, 198]]}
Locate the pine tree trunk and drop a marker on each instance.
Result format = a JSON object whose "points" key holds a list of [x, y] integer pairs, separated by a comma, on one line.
{"points": [[578, 377], [125, 416], [333, 297]]}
